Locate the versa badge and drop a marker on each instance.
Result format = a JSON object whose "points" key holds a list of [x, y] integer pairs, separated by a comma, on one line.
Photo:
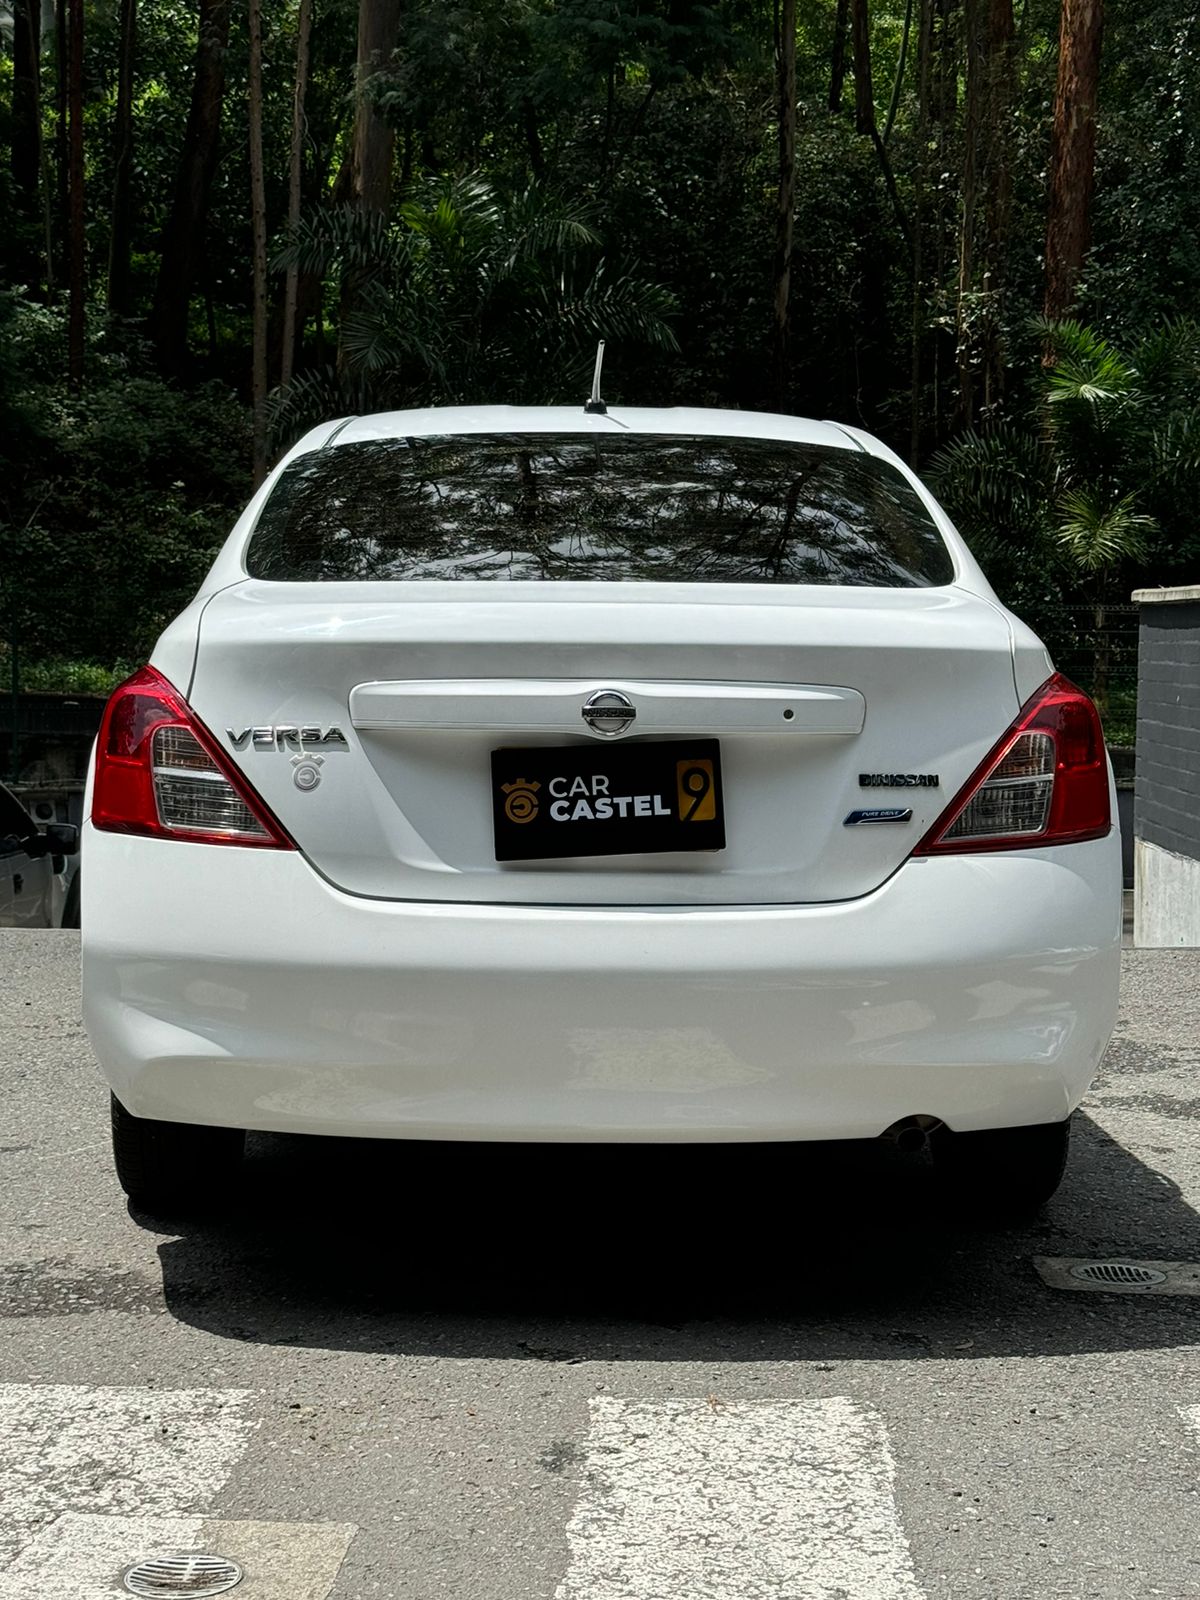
{"points": [[287, 736]]}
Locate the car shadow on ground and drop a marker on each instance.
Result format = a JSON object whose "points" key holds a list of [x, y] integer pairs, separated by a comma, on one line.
{"points": [[726, 1254]]}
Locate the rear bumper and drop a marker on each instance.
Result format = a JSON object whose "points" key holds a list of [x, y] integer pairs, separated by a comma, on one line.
{"points": [[236, 987]]}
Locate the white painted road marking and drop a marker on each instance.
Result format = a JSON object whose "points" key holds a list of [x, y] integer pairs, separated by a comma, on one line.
{"points": [[82, 1557], [763, 1500], [68, 1447]]}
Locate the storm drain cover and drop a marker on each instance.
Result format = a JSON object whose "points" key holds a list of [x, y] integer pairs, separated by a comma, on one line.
{"points": [[183, 1576], [1123, 1273], [1119, 1277]]}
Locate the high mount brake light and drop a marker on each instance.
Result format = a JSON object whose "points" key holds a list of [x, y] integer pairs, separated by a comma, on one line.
{"points": [[159, 772], [1045, 782]]}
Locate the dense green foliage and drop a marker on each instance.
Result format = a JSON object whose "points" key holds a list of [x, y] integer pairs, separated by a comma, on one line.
{"points": [[113, 501], [565, 169], [1096, 480]]}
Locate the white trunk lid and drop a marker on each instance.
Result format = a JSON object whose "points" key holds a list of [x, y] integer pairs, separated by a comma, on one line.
{"points": [[426, 680]]}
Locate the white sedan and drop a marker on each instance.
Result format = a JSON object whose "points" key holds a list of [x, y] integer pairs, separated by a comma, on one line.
{"points": [[640, 776], [36, 888]]}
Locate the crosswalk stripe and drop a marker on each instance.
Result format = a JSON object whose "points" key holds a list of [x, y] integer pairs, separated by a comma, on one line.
{"points": [[71, 1447], [703, 1500]]}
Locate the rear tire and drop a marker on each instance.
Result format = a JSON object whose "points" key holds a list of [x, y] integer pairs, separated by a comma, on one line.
{"points": [[174, 1166], [1002, 1172]]}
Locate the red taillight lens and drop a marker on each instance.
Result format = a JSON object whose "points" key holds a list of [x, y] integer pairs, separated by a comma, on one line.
{"points": [[160, 772], [1046, 782]]}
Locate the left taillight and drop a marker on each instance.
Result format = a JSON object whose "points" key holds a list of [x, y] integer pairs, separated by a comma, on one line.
{"points": [[159, 772]]}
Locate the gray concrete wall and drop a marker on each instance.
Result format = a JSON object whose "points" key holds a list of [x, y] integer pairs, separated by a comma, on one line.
{"points": [[1166, 820]]}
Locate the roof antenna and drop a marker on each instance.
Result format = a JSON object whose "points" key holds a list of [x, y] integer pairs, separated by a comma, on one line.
{"points": [[595, 406]]}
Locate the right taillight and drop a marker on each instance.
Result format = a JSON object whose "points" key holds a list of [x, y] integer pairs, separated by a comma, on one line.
{"points": [[159, 772], [1045, 782]]}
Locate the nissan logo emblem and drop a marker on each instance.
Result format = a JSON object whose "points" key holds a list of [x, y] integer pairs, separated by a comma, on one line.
{"points": [[609, 712]]}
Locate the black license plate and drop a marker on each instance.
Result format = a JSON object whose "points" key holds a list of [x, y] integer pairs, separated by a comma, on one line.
{"points": [[605, 800]]}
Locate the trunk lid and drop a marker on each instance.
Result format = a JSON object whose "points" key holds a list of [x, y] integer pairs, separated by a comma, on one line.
{"points": [[405, 690]]}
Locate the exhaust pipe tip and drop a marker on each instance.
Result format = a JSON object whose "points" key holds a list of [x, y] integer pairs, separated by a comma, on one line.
{"points": [[911, 1134]]}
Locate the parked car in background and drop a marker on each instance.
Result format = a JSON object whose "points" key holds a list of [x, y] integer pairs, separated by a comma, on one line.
{"points": [[36, 888], [631, 776]]}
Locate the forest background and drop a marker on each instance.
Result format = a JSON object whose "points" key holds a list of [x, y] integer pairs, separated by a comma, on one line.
{"points": [[970, 226]]}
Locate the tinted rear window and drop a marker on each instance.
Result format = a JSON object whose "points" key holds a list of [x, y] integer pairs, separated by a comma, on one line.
{"points": [[613, 507]]}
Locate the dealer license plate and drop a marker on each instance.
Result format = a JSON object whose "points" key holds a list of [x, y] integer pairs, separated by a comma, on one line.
{"points": [[606, 800]]}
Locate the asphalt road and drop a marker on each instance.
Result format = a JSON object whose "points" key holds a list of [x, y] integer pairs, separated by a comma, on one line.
{"points": [[439, 1372]]}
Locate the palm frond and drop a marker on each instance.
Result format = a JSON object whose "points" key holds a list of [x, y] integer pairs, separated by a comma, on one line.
{"points": [[1167, 360], [538, 223], [1177, 449], [1086, 367], [995, 481], [310, 398], [1099, 534], [466, 291], [343, 238], [621, 307]]}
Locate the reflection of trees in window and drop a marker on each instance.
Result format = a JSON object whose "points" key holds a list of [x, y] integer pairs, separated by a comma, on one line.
{"points": [[624, 508]]}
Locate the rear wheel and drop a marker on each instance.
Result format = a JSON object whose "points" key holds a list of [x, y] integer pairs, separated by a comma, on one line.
{"points": [[174, 1166], [1002, 1172]]}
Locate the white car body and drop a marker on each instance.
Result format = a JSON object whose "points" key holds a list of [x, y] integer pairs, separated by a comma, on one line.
{"points": [[33, 887], [390, 977]]}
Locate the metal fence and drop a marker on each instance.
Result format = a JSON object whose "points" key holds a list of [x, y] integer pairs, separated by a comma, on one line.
{"points": [[45, 738], [1101, 656]]}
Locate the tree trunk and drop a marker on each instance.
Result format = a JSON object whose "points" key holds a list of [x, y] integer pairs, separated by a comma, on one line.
{"points": [[965, 300], [920, 179], [258, 229], [942, 207], [374, 141], [1072, 151], [898, 83], [291, 326], [864, 91], [785, 201], [26, 158], [183, 236], [837, 55], [62, 68], [120, 294], [997, 168], [864, 105], [76, 264], [533, 140]]}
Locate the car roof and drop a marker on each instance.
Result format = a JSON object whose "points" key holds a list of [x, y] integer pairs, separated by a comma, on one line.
{"points": [[683, 420]]}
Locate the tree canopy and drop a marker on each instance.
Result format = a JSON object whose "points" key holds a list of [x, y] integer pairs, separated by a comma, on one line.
{"points": [[829, 207]]}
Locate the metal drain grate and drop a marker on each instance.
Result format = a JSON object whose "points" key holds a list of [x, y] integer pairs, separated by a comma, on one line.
{"points": [[1117, 1272], [1137, 1278], [185, 1576]]}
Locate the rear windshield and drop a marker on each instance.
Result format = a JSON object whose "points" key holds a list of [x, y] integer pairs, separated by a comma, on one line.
{"points": [[610, 507]]}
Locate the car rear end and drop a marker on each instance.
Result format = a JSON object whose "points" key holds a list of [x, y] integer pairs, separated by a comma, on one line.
{"points": [[649, 777]]}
